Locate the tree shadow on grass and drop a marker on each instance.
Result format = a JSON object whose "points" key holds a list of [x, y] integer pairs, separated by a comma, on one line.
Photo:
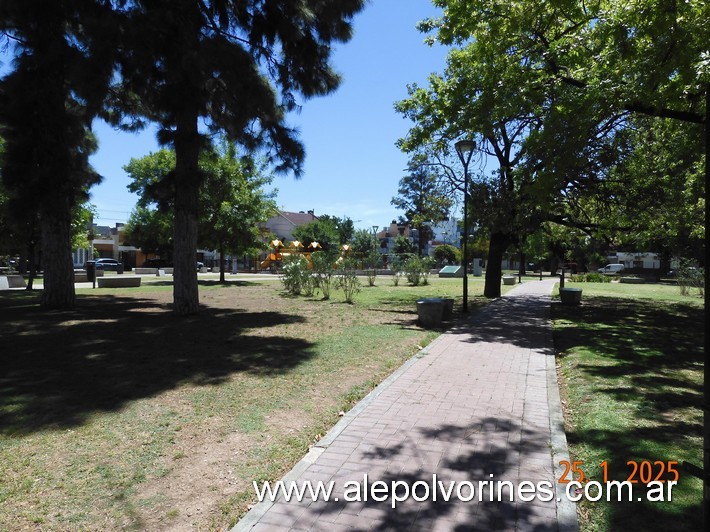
{"points": [[229, 283], [60, 367], [647, 356]]}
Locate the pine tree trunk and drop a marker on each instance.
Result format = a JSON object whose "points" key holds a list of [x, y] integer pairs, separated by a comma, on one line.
{"points": [[186, 299], [499, 244], [221, 263], [57, 263]]}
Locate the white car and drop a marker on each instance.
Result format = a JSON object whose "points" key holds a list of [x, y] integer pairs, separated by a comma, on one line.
{"points": [[612, 268]]}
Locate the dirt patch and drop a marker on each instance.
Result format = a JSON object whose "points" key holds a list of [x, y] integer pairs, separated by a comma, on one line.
{"points": [[120, 415], [201, 477]]}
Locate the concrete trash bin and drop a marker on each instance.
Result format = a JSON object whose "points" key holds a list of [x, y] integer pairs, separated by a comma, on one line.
{"points": [[571, 296], [90, 266], [430, 311], [448, 307]]}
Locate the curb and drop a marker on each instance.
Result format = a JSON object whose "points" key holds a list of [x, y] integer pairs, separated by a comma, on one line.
{"points": [[253, 516]]}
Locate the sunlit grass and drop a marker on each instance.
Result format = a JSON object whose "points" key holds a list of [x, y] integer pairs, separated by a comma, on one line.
{"points": [[631, 371]]}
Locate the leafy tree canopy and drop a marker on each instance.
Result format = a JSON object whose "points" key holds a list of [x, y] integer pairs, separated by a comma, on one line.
{"points": [[546, 90], [324, 230], [232, 197]]}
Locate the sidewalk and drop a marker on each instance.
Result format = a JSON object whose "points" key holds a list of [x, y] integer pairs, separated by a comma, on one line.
{"points": [[479, 404]]}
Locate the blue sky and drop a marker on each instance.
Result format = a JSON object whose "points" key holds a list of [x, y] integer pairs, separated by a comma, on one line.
{"points": [[352, 166]]}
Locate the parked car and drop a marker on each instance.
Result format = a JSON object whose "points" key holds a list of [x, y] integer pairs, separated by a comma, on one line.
{"points": [[200, 265], [107, 264], [612, 268]]}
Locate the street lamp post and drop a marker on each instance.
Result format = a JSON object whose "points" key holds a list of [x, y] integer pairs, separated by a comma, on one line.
{"points": [[464, 149]]}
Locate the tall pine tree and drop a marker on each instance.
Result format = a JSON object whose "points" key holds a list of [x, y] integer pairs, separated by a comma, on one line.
{"points": [[234, 67]]}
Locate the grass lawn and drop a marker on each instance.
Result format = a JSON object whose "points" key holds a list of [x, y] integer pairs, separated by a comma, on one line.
{"points": [[630, 364], [120, 415]]}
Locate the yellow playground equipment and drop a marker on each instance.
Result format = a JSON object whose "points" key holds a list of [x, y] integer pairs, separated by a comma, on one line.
{"points": [[279, 251]]}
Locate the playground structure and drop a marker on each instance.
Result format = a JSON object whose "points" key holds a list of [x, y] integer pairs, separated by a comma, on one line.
{"points": [[279, 252]]}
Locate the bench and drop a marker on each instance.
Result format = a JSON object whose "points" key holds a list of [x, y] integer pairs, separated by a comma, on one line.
{"points": [[12, 281], [145, 271], [118, 282], [632, 280]]}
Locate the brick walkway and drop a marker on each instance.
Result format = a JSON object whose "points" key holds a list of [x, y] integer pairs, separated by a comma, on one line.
{"points": [[479, 404]]}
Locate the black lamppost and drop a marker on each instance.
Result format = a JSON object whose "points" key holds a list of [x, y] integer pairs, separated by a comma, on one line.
{"points": [[465, 148]]}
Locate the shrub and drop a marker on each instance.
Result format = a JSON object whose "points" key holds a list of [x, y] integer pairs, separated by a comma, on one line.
{"points": [[297, 278], [417, 269], [591, 277], [347, 279], [397, 268], [323, 271], [372, 262], [689, 278], [446, 253]]}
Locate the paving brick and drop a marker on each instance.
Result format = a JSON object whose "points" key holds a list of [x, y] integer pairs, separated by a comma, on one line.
{"points": [[475, 405]]}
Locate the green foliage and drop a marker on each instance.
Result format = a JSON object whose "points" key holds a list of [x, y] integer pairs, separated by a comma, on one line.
{"points": [[325, 232], [396, 266], [232, 197], [373, 261], [323, 270], [403, 246], [152, 179], [417, 269], [233, 201], [235, 67], [297, 278], [545, 89], [691, 278], [591, 277], [150, 230], [347, 279], [344, 226], [446, 253], [423, 197], [82, 216], [660, 155], [364, 241], [61, 64]]}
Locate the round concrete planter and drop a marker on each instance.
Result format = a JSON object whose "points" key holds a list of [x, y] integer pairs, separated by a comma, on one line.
{"points": [[430, 311], [448, 307], [571, 296], [509, 279]]}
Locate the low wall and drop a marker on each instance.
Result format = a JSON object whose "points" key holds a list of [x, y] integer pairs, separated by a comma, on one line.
{"points": [[145, 271], [12, 281], [632, 280], [118, 282]]}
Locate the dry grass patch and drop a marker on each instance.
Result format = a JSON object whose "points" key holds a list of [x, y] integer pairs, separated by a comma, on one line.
{"points": [[120, 415]]}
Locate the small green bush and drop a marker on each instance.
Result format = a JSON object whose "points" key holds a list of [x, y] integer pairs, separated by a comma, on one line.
{"points": [[397, 268], [297, 278], [347, 279], [591, 277], [691, 278], [372, 262], [417, 269], [323, 271], [447, 254]]}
